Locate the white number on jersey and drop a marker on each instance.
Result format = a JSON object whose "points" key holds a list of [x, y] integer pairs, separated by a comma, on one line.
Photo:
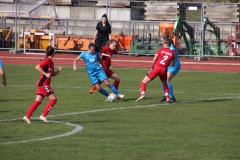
{"points": [[164, 59]]}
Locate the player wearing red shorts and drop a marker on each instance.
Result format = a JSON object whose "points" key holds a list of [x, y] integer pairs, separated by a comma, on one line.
{"points": [[107, 52], [161, 61], [46, 69]]}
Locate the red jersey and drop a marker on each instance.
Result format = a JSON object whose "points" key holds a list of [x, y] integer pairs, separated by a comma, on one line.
{"points": [[105, 59], [165, 55], [47, 66]]}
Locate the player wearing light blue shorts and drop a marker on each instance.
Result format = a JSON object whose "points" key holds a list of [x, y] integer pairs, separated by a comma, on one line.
{"points": [[171, 72], [95, 71]]}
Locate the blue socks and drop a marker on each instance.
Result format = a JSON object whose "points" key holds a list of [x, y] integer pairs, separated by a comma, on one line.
{"points": [[170, 90], [104, 92], [114, 89]]}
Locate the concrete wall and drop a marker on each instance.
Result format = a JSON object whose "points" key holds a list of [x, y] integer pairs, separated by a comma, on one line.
{"points": [[72, 12]]}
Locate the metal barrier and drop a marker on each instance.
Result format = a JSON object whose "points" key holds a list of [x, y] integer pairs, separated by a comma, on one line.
{"points": [[198, 31]]}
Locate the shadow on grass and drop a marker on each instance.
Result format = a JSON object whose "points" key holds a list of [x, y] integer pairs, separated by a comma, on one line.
{"points": [[205, 100], [4, 111]]}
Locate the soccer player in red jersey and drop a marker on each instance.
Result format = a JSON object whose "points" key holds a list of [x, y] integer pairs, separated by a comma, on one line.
{"points": [[107, 52], [162, 59], [46, 69]]}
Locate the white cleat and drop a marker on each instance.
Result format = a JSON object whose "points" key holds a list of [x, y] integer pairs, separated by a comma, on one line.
{"points": [[120, 96], [44, 119], [140, 98], [27, 120]]}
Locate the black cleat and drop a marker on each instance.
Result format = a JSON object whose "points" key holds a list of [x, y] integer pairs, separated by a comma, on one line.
{"points": [[163, 99], [172, 100]]}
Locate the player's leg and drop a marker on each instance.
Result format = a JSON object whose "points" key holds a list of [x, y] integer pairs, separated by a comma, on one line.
{"points": [[32, 108], [170, 75], [100, 89], [48, 107], [143, 87], [163, 78], [165, 87], [116, 80], [93, 88], [113, 89], [103, 77]]}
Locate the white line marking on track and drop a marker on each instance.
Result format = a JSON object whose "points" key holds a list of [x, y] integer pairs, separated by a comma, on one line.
{"points": [[78, 128]]}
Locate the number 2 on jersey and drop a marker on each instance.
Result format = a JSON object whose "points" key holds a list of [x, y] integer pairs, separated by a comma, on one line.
{"points": [[164, 59]]}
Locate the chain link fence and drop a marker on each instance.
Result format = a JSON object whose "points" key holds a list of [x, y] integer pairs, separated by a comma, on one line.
{"points": [[198, 29]]}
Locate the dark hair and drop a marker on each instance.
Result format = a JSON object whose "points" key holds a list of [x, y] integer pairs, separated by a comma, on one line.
{"points": [[105, 15], [91, 45], [49, 51]]}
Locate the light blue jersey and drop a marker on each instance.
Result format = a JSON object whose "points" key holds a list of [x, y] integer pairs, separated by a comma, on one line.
{"points": [[177, 64], [1, 65], [94, 70]]}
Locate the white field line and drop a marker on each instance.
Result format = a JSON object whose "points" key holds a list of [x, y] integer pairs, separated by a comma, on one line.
{"points": [[78, 128]]}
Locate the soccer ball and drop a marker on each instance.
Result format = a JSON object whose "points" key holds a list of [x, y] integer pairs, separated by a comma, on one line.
{"points": [[112, 97]]}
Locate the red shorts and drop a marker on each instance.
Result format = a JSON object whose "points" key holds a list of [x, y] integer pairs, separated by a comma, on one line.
{"points": [[153, 73], [109, 72], [45, 90]]}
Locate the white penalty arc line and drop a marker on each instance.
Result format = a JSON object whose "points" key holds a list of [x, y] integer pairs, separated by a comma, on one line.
{"points": [[78, 128]]}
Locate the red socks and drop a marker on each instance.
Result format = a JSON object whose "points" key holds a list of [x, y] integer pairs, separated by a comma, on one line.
{"points": [[32, 108], [116, 84], [49, 106], [165, 88], [143, 87]]}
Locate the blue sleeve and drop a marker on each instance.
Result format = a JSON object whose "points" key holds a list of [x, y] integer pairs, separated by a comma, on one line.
{"points": [[1, 65], [81, 55]]}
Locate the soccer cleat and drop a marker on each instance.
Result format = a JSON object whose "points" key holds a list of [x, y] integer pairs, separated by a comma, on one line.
{"points": [[163, 99], [26, 120], [91, 91], [172, 100], [44, 119], [140, 98], [120, 96]]}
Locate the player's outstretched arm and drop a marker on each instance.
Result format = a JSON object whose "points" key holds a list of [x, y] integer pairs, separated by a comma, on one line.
{"points": [[75, 63], [57, 72]]}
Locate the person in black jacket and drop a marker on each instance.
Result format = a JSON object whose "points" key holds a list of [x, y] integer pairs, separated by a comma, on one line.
{"points": [[103, 33]]}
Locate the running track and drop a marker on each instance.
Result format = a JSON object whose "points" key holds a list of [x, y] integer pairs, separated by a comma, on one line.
{"points": [[216, 65]]}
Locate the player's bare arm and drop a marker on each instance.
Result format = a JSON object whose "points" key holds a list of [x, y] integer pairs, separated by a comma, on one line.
{"points": [[95, 35], [48, 75], [57, 72], [75, 63], [155, 58]]}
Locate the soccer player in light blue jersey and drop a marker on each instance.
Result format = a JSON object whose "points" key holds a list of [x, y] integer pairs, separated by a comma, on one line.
{"points": [[172, 71], [95, 71]]}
